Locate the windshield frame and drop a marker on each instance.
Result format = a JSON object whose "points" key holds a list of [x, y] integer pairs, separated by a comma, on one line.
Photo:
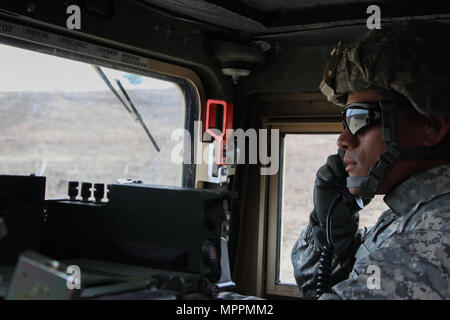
{"points": [[72, 48]]}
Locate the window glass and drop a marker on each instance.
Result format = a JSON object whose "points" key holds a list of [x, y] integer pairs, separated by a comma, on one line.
{"points": [[59, 119], [303, 155]]}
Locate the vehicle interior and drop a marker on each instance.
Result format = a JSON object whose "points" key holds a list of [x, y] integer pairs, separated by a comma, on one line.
{"points": [[167, 149]]}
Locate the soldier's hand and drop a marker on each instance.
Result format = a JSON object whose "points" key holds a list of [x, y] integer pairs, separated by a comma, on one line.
{"points": [[331, 180]]}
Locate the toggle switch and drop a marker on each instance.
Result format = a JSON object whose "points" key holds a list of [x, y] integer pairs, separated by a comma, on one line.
{"points": [[86, 191], [99, 191], [73, 190]]}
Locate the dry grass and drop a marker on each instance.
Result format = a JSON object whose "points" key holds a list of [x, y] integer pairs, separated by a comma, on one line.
{"points": [[89, 137]]}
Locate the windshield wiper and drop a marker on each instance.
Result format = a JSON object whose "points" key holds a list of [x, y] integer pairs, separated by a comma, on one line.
{"points": [[130, 108]]}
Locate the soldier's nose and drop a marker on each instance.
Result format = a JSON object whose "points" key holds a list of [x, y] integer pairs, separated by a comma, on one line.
{"points": [[347, 141]]}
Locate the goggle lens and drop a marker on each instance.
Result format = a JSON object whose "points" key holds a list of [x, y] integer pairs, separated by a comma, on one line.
{"points": [[356, 118]]}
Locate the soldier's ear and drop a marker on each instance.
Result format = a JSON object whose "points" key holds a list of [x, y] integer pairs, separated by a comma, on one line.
{"points": [[437, 128]]}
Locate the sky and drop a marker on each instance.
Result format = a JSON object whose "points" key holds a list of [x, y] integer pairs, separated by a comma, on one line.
{"points": [[25, 70]]}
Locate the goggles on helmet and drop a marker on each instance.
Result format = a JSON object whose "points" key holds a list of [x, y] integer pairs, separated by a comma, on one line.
{"points": [[360, 115]]}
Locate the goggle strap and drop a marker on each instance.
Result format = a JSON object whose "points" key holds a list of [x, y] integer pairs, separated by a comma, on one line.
{"points": [[425, 153], [388, 101]]}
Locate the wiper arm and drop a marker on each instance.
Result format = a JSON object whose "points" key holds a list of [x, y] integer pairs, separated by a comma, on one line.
{"points": [[137, 114], [131, 108]]}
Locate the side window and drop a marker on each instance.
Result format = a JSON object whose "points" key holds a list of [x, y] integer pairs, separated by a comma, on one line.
{"points": [[302, 155], [61, 120]]}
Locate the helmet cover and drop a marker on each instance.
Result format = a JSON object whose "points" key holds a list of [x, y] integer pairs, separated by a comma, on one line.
{"points": [[410, 58]]}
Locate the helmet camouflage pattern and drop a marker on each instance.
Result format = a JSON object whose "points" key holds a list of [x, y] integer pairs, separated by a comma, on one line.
{"points": [[410, 58]]}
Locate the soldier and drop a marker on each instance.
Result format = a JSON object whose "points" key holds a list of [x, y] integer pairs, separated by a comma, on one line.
{"points": [[392, 84]]}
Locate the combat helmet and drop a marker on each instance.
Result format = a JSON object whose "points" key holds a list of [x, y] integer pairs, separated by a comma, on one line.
{"points": [[405, 62]]}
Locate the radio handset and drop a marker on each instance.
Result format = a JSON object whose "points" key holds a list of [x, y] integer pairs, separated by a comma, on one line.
{"points": [[339, 216]]}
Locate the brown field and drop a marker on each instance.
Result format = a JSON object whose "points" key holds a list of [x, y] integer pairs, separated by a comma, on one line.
{"points": [[89, 137]]}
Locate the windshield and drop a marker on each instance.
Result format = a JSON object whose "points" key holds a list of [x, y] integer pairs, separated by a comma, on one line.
{"points": [[61, 120]]}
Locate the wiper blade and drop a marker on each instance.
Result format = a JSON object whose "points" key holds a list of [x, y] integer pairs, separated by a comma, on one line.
{"points": [[131, 108]]}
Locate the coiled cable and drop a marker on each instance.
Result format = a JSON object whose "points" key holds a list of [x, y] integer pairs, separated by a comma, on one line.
{"points": [[326, 256]]}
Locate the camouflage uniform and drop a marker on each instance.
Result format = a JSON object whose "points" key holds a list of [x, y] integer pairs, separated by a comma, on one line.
{"points": [[409, 243]]}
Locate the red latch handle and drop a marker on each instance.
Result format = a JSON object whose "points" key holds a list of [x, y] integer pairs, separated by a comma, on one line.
{"points": [[227, 124]]}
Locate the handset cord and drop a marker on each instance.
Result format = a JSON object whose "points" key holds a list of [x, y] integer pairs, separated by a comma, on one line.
{"points": [[326, 256]]}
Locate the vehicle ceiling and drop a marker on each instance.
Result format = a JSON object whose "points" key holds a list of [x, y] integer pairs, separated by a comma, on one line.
{"points": [[291, 39], [297, 22]]}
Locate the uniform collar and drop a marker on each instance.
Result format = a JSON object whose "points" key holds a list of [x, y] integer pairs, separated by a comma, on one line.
{"points": [[419, 188]]}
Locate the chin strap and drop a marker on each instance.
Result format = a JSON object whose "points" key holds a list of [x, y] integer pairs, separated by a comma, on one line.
{"points": [[377, 174]]}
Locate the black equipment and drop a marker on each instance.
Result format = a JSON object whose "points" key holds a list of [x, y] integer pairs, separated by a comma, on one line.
{"points": [[22, 212], [160, 227], [171, 237]]}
